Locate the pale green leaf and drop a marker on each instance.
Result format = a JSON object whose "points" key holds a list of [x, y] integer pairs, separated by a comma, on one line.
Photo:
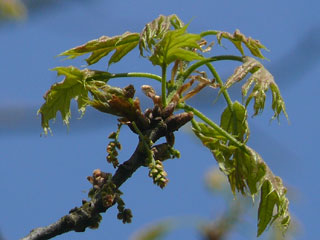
{"points": [[182, 54], [176, 44], [237, 38], [58, 98], [101, 47]]}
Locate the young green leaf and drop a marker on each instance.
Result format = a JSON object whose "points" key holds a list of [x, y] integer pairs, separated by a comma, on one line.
{"points": [[101, 47], [235, 121], [155, 30], [273, 204], [217, 145], [59, 96], [263, 81], [238, 38], [176, 44]]}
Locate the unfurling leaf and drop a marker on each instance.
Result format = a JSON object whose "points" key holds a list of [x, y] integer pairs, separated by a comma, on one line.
{"points": [[113, 100], [101, 47], [59, 96], [176, 44], [263, 81], [238, 38], [155, 30]]}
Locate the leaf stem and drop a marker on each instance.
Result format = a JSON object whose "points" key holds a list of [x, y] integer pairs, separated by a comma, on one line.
{"points": [[164, 85], [224, 91], [198, 64], [136, 74], [209, 32], [213, 125]]}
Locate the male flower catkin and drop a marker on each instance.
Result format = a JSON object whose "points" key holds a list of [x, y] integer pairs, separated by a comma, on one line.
{"points": [[158, 174]]}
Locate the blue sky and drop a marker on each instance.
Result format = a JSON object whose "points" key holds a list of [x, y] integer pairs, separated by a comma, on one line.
{"points": [[42, 178]]}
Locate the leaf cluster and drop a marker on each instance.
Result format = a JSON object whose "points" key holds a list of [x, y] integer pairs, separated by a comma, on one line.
{"points": [[246, 171]]}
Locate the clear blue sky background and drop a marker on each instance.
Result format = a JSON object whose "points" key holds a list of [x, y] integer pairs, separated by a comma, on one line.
{"points": [[42, 178]]}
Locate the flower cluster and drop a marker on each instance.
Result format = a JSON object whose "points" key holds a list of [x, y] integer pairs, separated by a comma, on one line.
{"points": [[124, 214], [112, 148], [158, 174], [110, 195], [99, 179], [102, 181]]}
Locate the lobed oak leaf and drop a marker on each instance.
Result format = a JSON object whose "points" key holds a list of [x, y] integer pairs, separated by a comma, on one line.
{"points": [[237, 38], [73, 86], [101, 47], [262, 80], [59, 96]]}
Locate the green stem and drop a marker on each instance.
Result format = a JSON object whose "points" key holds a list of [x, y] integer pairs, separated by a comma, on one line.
{"points": [[135, 74], [164, 85], [212, 124], [209, 32], [106, 76], [224, 91], [196, 65]]}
